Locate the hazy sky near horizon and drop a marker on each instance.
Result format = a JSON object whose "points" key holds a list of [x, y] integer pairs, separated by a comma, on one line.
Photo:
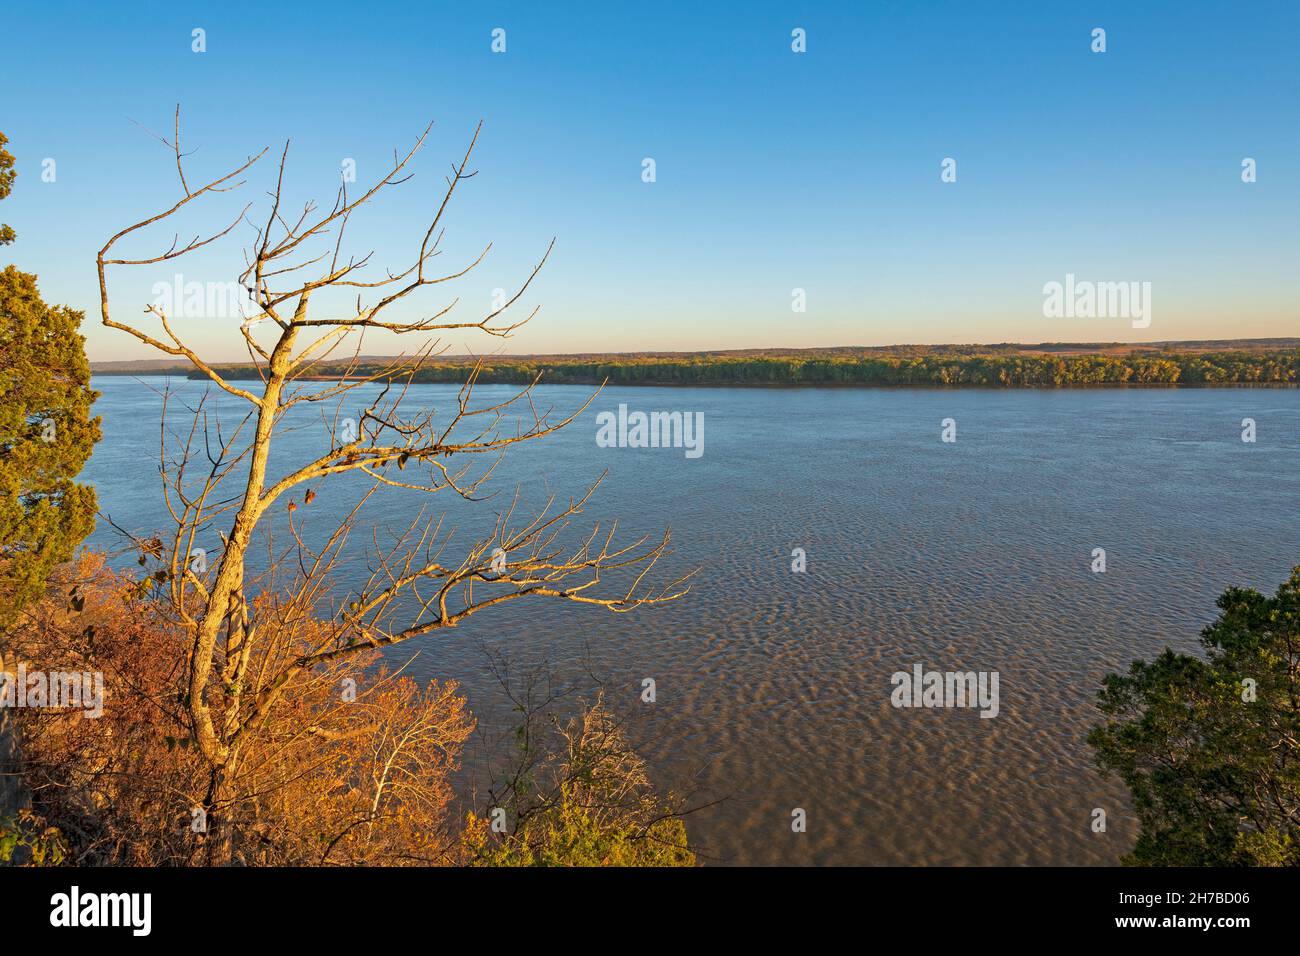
{"points": [[775, 170]]}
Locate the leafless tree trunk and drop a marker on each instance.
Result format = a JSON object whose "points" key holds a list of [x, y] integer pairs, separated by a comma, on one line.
{"points": [[286, 264]]}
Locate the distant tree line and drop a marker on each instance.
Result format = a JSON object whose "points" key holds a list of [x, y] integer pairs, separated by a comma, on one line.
{"points": [[990, 371]]}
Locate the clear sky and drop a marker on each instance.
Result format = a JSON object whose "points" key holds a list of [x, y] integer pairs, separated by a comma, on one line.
{"points": [[774, 170]]}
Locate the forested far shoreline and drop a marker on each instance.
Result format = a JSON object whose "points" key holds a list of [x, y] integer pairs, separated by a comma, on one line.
{"points": [[1016, 370]]}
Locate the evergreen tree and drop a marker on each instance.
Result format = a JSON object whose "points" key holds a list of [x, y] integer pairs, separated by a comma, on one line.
{"points": [[7, 176], [46, 432], [1210, 749]]}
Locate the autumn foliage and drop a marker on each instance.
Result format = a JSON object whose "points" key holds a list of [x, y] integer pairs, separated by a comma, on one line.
{"points": [[353, 766], [328, 778]]}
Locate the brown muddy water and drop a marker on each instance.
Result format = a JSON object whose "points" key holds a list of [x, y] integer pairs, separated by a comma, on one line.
{"points": [[773, 687]]}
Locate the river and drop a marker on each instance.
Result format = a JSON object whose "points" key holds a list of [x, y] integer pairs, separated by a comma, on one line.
{"points": [[773, 686]]}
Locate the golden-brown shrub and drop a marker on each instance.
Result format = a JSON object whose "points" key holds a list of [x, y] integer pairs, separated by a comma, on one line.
{"points": [[326, 778]]}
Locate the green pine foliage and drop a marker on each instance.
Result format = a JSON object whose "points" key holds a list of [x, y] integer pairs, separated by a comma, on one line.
{"points": [[46, 435], [7, 176], [1210, 748]]}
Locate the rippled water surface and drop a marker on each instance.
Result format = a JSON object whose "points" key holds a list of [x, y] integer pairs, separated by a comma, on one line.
{"points": [[773, 687]]}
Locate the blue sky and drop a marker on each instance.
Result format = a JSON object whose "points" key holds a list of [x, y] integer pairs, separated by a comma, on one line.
{"points": [[775, 170]]}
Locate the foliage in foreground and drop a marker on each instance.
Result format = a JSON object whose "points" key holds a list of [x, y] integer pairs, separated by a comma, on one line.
{"points": [[591, 806], [7, 176], [326, 780], [1210, 749], [27, 840], [46, 435]]}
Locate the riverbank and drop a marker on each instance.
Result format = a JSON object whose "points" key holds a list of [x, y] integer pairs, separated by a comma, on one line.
{"points": [[1249, 362]]}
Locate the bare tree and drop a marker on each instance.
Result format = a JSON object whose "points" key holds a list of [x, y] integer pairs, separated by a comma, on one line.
{"points": [[237, 668]]}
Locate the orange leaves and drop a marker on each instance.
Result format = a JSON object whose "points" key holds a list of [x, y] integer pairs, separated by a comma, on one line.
{"points": [[351, 766]]}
